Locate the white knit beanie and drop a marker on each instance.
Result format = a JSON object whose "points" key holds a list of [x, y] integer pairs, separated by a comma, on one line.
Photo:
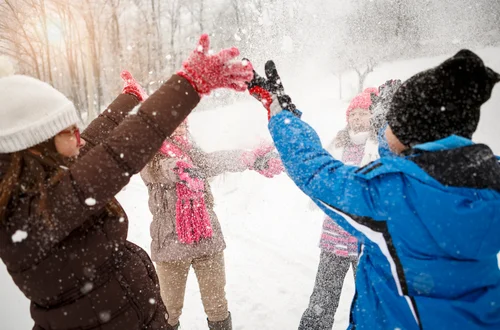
{"points": [[31, 112]]}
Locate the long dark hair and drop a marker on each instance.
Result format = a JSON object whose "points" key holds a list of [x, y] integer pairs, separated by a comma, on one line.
{"points": [[31, 171]]}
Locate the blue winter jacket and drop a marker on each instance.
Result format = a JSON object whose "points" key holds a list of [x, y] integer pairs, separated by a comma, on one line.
{"points": [[429, 225]]}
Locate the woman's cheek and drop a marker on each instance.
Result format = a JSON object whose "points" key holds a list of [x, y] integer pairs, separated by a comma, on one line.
{"points": [[66, 146]]}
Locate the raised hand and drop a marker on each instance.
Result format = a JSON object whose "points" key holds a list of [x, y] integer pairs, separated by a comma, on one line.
{"points": [[132, 87], [208, 72], [263, 160], [270, 92]]}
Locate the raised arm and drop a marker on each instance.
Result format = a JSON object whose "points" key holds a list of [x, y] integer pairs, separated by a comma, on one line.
{"points": [[334, 187], [101, 173], [219, 162], [322, 177], [100, 128]]}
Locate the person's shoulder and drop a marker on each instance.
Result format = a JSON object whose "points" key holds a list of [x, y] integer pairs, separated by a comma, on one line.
{"points": [[384, 166]]}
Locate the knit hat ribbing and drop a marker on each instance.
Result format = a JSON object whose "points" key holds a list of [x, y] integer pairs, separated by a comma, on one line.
{"points": [[442, 101], [31, 112]]}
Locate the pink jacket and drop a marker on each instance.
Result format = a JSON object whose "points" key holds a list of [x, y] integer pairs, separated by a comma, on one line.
{"points": [[334, 239]]}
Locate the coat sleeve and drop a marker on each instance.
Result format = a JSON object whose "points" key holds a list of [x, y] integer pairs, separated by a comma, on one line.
{"points": [[105, 169], [101, 127], [333, 186], [219, 162]]}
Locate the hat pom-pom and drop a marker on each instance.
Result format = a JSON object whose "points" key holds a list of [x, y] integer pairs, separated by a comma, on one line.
{"points": [[6, 67]]}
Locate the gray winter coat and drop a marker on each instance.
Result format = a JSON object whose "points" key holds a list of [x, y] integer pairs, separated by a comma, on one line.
{"points": [[160, 179]]}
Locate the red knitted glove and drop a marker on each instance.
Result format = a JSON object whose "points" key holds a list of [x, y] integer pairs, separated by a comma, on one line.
{"points": [[208, 72], [132, 87]]}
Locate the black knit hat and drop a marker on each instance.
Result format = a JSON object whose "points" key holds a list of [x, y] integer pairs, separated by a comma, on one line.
{"points": [[442, 101]]}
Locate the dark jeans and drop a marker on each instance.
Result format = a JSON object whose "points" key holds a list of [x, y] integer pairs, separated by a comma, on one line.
{"points": [[324, 301]]}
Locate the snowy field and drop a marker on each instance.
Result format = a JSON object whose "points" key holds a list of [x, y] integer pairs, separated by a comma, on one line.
{"points": [[271, 234]]}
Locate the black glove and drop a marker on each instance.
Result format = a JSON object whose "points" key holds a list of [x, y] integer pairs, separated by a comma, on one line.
{"points": [[271, 90], [380, 103]]}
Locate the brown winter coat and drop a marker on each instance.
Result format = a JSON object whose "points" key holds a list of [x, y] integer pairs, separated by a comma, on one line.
{"points": [[78, 270], [160, 179]]}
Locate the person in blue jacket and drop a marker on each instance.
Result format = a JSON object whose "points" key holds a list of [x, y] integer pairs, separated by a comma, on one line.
{"points": [[427, 214]]}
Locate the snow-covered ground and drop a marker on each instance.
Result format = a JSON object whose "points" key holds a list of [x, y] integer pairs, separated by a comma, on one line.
{"points": [[271, 234]]}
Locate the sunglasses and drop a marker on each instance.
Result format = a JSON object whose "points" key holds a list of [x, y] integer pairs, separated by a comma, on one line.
{"points": [[76, 132]]}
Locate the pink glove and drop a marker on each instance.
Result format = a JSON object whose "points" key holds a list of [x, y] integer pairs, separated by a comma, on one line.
{"points": [[274, 167], [182, 170], [263, 161], [132, 87], [208, 72], [249, 157]]}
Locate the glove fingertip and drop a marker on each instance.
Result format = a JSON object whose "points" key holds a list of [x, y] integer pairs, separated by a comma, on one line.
{"points": [[270, 64], [248, 67], [234, 51], [126, 75], [271, 72], [204, 43]]}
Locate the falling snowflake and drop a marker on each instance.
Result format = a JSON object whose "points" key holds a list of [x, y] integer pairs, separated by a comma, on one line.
{"points": [[90, 201], [105, 316], [87, 288], [19, 236], [237, 37], [152, 301], [287, 121], [121, 219]]}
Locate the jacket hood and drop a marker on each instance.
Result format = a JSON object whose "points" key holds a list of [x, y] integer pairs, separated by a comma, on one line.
{"points": [[462, 196]]}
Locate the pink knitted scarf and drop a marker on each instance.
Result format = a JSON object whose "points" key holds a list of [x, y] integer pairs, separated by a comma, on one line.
{"points": [[191, 215]]}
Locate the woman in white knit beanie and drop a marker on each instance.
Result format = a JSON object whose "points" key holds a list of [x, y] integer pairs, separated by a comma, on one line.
{"points": [[62, 233]]}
